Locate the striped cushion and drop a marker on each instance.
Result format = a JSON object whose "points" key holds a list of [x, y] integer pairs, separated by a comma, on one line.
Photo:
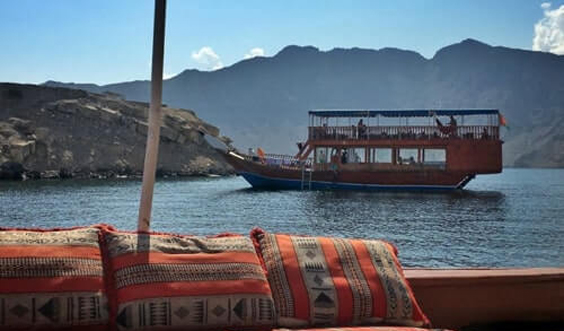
{"points": [[173, 282], [318, 281], [366, 328], [51, 279]]}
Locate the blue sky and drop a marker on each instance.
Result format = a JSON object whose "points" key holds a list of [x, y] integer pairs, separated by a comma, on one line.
{"points": [[105, 41]]}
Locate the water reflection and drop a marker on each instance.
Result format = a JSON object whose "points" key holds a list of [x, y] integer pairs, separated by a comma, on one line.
{"points": [[439, 227]]}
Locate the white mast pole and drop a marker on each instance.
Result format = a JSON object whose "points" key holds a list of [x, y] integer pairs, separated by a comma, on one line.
{"points": [[154, 129]]}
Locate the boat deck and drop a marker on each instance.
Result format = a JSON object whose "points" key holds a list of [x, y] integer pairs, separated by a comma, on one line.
{"points": [[474, 132]]}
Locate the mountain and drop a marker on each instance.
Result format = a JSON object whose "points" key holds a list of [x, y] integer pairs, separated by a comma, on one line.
{"points": [[48, 132], [264, 100]]}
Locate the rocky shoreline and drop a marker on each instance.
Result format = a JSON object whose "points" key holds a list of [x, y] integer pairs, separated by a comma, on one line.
{"points": [[16, 171], [56, 133]]}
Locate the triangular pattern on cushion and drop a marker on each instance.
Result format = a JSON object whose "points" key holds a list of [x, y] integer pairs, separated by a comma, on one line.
{"points": [[320, 281]]}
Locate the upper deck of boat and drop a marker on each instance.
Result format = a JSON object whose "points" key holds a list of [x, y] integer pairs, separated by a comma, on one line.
{"points": [[373, 126]]}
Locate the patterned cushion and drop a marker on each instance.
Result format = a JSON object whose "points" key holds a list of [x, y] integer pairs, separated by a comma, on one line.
{"points": [[366, 328], [319, 281], [51, 279], [173, 282]]}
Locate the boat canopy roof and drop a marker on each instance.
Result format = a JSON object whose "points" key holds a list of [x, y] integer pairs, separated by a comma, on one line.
{"points": [[399, 113]]}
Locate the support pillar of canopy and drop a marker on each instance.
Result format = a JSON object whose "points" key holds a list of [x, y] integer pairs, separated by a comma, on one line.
{"points": [[153, 133]]}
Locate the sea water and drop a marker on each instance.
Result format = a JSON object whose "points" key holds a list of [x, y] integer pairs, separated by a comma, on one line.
{"points": [[513, 219]]}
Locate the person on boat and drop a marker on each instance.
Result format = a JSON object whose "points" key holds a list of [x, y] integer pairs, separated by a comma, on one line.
{"points": [[344, 156], [442, 128], [361, 129], [453, 126], [334, 159], [261, 155], [334, 165], [253, 155], [353, 132], [448, 130], [356, 157], [321, 158], [485, 134]]}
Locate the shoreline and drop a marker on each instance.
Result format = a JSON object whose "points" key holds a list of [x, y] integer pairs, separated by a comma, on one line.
{"points": [[63, 174], [18, 173]]}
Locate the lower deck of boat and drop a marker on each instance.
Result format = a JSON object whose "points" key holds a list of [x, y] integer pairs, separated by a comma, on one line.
{"points": [[264, 176], [264, 181]]}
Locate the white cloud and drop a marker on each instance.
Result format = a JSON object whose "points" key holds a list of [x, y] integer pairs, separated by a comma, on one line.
{"points": [[207, 58], [254, 53], [549, 31]]}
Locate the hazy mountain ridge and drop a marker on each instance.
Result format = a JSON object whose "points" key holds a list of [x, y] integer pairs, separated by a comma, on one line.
{"points": [[264, 100]]}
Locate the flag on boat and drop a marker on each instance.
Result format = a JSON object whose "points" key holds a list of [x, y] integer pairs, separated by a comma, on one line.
{"points": [[502, 121]]}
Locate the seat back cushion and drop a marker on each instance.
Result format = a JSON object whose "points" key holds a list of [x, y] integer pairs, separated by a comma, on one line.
{"points": [[366, 328], [51, 279], [173, 282], [319, 281]]}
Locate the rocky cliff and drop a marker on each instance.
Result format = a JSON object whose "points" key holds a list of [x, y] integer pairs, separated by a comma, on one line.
{"points": [[50, 132]]}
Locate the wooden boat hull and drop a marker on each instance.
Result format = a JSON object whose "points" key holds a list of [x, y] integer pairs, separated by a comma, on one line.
{"points": [[263, 176], [491, 299]]}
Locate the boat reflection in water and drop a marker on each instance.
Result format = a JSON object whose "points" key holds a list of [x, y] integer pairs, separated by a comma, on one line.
{"points": [[383, 150]]}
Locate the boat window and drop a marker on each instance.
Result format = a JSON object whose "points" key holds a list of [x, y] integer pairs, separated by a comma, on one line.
{"points": [[434, 156], [321, 155], [381, 155], [407, 156], [355, 155]]}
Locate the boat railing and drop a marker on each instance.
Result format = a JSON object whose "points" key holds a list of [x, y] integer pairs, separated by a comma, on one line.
{"points": [[485, 132], [280, 161]]}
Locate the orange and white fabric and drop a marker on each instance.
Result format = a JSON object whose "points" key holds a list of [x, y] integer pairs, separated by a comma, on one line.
{"points": [[172, 282], [52, 279], [319, 281], [365, 328]]}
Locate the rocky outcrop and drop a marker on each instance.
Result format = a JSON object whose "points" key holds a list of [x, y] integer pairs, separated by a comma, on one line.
{"points": [[57, 133]]}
